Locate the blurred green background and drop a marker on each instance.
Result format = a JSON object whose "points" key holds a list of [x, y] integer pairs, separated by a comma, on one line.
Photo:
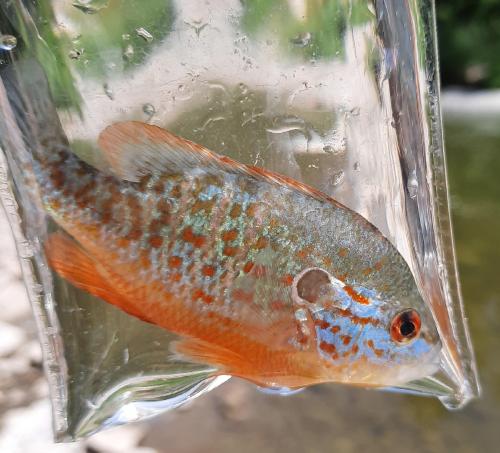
{"points": [[469, 42]]}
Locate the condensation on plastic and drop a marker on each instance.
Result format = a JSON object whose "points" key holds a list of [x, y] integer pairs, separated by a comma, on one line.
{"points": [[343, 95]]}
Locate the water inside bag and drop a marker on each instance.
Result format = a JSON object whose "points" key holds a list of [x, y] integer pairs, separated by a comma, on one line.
{"points": [[340, 95]]}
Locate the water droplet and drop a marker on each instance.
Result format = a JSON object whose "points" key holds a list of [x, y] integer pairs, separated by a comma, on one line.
{"points": [[197, 26], [412, 185], [125, 36], [357, 166], [8, 42], [302, 39], [335, 143], [75, 54], [144, 34], [90, 6], [126, 355], [108, 91], [243, 88], [338, 178], [128, 53], [149, 109], [282, 391]]}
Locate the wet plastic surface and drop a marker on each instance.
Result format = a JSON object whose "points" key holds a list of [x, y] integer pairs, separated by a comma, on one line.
{"points": [[348, 105]]}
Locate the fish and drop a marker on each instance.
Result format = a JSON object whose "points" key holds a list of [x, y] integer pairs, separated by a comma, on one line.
{"points": [[262, 277]]}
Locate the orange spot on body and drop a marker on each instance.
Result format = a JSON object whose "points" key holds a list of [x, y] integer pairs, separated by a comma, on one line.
{"points": [[356, 296], [199, 241], [327, 347], [248, 267], [155, 226], [235, 211], [159, 187], [189, 236], [346, 339], [322, 324], [304, 253], [261, 243], [252, 209], [134, 234], [176, 191], [197, 294], [230, 251], [208, 271], [367, 271], [287, 279], [155, 241], [335, 329], [175, 261], [342, 252], [355, 349], [230, 235], [177, 277]]}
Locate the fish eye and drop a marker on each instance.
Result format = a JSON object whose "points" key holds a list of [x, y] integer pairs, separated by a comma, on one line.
{"points": [[405, 326]]}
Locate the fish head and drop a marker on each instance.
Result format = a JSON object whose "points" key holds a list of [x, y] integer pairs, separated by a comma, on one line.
{"points": [[369, 337]]}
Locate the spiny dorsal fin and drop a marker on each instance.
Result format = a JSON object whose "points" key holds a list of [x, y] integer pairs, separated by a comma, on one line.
{"points": [[134, 149]]}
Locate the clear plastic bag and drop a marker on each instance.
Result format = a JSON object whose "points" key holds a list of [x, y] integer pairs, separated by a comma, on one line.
{"points": [[343, 96]]}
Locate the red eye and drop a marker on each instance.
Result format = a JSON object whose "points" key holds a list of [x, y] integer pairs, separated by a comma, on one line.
{"points": [[405, 326]]}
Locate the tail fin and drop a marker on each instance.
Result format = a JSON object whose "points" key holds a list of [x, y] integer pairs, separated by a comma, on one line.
{"points": [[29, 131]]}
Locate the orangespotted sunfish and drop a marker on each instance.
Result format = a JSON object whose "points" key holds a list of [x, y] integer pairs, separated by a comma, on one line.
{"points": [[261, 276]]}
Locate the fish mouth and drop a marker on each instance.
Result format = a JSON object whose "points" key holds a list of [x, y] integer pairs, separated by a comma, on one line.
{"points": [[426, 366]]}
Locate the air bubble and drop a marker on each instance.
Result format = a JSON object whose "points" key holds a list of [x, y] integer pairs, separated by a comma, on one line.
{"points": [[412, 185], [336, 143], [149, 109], [128, 53], [144, 34], [108, 91], [8, 42], [90, 6], [302, 39], [75, 54], [282, 391], [338, 178]]}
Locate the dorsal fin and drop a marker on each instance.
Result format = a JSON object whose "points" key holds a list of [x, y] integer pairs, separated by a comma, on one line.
{"points": [[134, 149]]}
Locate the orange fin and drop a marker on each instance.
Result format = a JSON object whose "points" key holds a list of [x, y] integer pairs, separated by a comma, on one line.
{"points": [[134, 149], [200, 351], [74, 264]]}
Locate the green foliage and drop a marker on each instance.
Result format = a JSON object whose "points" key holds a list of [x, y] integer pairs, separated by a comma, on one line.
{"points": [[106, 35], [318, 34], [469, 42]]}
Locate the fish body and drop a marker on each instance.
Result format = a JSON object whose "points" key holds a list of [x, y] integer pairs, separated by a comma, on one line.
{"points": [[263, 277]]}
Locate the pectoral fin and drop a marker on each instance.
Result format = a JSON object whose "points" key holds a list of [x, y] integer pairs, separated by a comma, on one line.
{"points": [[200, 351], [77, 266]]}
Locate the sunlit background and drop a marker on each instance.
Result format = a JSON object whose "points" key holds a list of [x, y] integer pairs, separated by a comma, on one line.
{"points": [[327, 418]]}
